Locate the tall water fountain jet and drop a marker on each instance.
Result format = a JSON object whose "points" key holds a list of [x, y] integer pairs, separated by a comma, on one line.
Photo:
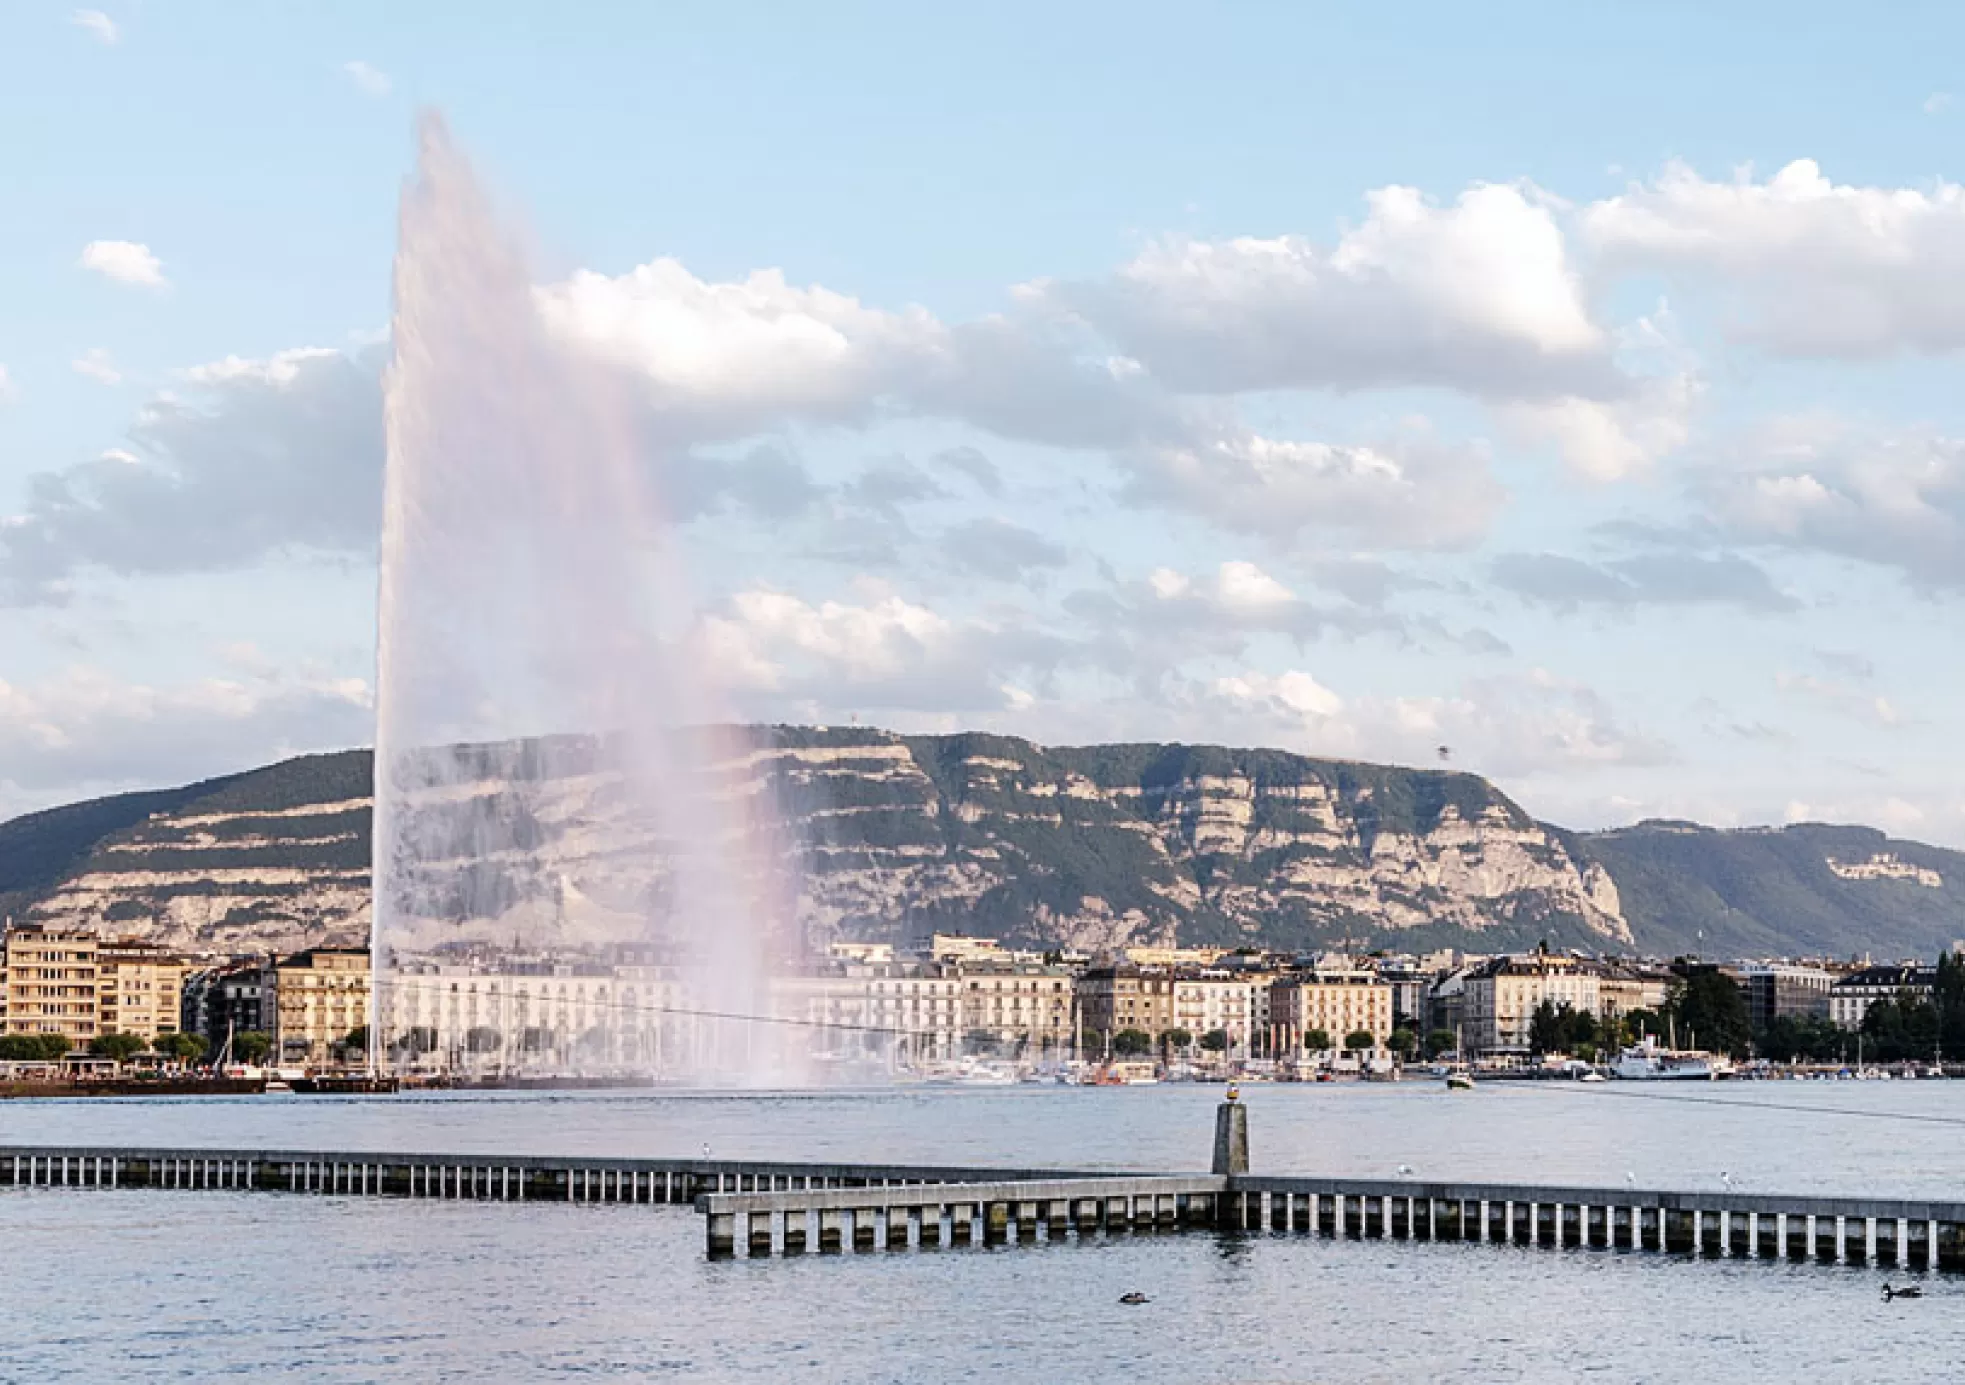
{"points": [[571, 874]]}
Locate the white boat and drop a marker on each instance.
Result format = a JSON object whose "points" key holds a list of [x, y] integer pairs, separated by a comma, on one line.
{"points": [[1646, 1062], [1459, 1082]]}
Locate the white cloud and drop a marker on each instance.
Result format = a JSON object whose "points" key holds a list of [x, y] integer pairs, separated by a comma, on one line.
{"points": [[97, 365], [98, 24], [125, 261], [780, 654], [86, 727], [747, 352], [1816, 485], [1290, 696], [858, 642], [372, 81], [259, 458], [1810, 267], [1515, 725], [1845, 698], [1478, 296], [1411, 491], [1937, 101], [280, 369]]}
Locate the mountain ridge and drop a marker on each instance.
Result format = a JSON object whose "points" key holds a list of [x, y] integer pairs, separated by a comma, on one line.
{"points": [[1082, 846]]}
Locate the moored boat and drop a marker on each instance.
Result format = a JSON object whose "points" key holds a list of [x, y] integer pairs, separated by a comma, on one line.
{"points": [[1646, 1062]]}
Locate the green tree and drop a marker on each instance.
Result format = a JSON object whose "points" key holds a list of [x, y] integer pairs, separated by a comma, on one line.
{"points": [[1710, 1012], [482, 1039], [356, 1038], [1802, 1038], [1132, 1043], [118, 1048], [1640, 1023], [1316, 1041], [251, 1047], [1948, 996], [1358, 1040], [1900, 1029], [1403, 1042], [1440, 1041], [1215, 1041], [186, 1048], [31, 1048], [1175, 1038], [1547, 1031], [980, 1042]]}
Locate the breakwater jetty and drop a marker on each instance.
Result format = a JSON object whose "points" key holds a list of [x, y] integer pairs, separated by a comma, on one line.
{"points": [[490, 1177], [764, 1208]]}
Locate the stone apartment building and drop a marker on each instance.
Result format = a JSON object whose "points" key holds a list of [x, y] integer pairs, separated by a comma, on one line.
{"points": [[139, 989], [1113, 999], [1851, 997], [1236, 1004], [1500, 996], [1340, 1003], [319, 997], [1026, 1010], [51, 983]]}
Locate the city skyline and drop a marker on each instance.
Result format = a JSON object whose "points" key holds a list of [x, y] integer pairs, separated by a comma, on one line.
{"points": [[1350, 407]]}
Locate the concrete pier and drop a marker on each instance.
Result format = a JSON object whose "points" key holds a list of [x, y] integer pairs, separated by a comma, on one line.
{"points": [[1913, 1234], [761, 1208], [488, 1177]]}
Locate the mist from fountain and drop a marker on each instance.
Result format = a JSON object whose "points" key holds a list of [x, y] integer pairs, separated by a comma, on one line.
{"points": [[569, 869]]}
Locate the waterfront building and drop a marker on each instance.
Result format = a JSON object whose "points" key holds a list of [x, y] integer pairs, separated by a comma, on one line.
{"points": [[1623, 987], [224, 1001], [1235, 1003], [535, 1012], [920, 1010], [1113, 999], [1339, 1002], [51, 983], [1500, 997], [1025, 1010], [320, 997], [1779, 990], [140, 988], [1196, 957], [1851, 997], [1409, 987], [861, 954]]}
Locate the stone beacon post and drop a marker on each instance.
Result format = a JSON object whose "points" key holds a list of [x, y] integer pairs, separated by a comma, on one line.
{"points": [[1231, 1135]]}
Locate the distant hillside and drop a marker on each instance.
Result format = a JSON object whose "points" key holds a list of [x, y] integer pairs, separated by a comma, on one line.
{"points": [[900, 834], [1086, 846], [1809, 889]]}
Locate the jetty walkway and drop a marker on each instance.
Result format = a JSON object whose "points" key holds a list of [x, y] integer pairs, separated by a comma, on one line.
{"points": [[764, 1208]]}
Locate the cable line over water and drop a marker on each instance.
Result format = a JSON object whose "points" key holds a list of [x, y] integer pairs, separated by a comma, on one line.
{"points": [[1594, 1090]]}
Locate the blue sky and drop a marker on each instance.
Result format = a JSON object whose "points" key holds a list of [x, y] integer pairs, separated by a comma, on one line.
{"points": [[1573, 389]]}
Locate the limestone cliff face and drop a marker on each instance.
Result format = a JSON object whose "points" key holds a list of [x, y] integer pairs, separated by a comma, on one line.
{"points": [[892, 836], [1099, 845]]}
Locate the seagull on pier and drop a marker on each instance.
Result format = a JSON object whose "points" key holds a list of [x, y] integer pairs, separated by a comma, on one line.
{"points": [[706, 1149], [1630, 1179], [1405, 1170], [1727, 1179]]}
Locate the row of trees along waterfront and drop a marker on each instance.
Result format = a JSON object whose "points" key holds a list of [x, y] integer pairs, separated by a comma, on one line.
{"points": [[52, 1048], [1708, 1010]]}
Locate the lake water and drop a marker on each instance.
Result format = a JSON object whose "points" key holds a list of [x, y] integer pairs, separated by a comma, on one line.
{"points": [[141, 1286]]}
